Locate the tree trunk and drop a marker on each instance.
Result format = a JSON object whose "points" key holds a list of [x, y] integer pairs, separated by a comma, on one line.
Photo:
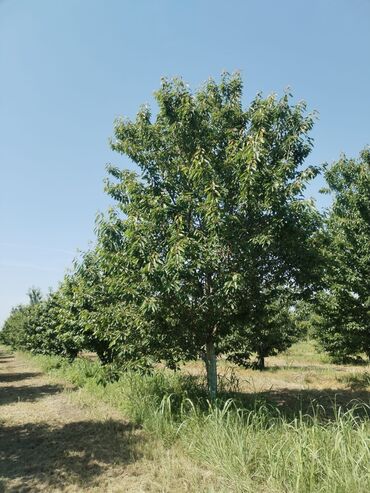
{"points": [[260, 363], [211, 367], [104, 352]]}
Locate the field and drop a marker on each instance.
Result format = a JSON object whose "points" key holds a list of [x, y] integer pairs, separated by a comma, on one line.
{"points": [[302, 425], [297, 379]]}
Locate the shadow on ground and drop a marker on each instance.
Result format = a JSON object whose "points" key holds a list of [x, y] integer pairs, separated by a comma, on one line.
{"points": [[27, 393], [5, 358], [14, 377], [35, 457], [323, 403], [296, 367]]}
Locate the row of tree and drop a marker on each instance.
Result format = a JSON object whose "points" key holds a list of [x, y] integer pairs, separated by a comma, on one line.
{"points": [[212, 248]]}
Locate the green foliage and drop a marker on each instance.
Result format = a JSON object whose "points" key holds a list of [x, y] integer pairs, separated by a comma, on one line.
{"points": [[272, 328], [44, 326], [14, 328], [34, 295], [78, 372], [306, 318], [14, 331], [50, 329], [344, 304], [215, 227], [88, 305]]}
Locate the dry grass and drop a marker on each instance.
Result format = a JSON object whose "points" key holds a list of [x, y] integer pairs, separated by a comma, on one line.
{"points": [[55, 438], [294, 379]]}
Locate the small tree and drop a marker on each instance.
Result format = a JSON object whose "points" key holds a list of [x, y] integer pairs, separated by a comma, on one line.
{"points": [[50, 330], [217, 216], [91, 304], [271, 328], [85, 302], [14, 330], [344, 306], [34, 295]]}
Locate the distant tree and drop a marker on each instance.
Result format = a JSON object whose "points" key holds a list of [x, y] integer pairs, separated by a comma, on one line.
{"points": [[51, 328], [34, 295], [344, 306], [45, 325], [271, 328], [215, 226], [90, 304], [306, 318], [14, 329]]}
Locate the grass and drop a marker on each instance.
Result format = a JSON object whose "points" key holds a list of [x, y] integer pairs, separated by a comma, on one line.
{"points": [[254, 452], [356, 380], [251, 439]]}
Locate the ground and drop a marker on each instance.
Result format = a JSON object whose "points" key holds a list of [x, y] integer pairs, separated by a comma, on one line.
{"points": [[53, 439], [297, 378], [56, 438]]}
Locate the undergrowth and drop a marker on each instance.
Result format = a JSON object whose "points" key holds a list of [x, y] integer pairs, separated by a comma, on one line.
{"points": [[356, 380], [253, 448]]}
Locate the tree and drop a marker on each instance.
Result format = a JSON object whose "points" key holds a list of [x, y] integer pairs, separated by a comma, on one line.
{"points": [[46, 325], [95, 304], [271, 328], [84, 303], [216, 219], [344, 305], [14, 330], [51, 328], [34, 295]]}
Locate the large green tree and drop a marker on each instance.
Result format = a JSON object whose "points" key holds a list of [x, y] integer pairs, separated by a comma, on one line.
{"points": [[344, 306], [216, 220]]}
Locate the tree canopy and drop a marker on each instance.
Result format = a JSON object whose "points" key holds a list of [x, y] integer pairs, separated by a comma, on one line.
{"points": [[344, 304], [215, 226]]}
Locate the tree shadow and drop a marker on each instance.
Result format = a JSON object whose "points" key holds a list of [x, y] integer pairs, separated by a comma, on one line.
{"points": [[27, 393], [356, 381], [5, 359], [313, 367], [37, 457], [14, 377], [295, 367], [324, 403]]}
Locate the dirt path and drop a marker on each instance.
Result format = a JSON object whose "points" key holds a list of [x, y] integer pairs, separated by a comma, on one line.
{"points": [[49, 443]]}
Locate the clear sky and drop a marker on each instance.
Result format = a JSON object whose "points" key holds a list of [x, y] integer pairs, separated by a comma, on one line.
{"points": [[69, 68]]}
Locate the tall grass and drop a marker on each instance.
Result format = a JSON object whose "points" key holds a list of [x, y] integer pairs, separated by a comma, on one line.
{"points": [[255, 449], [253, 452]]}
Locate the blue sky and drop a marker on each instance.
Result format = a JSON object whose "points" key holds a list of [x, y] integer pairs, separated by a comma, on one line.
{"points": [[69, 68]]}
